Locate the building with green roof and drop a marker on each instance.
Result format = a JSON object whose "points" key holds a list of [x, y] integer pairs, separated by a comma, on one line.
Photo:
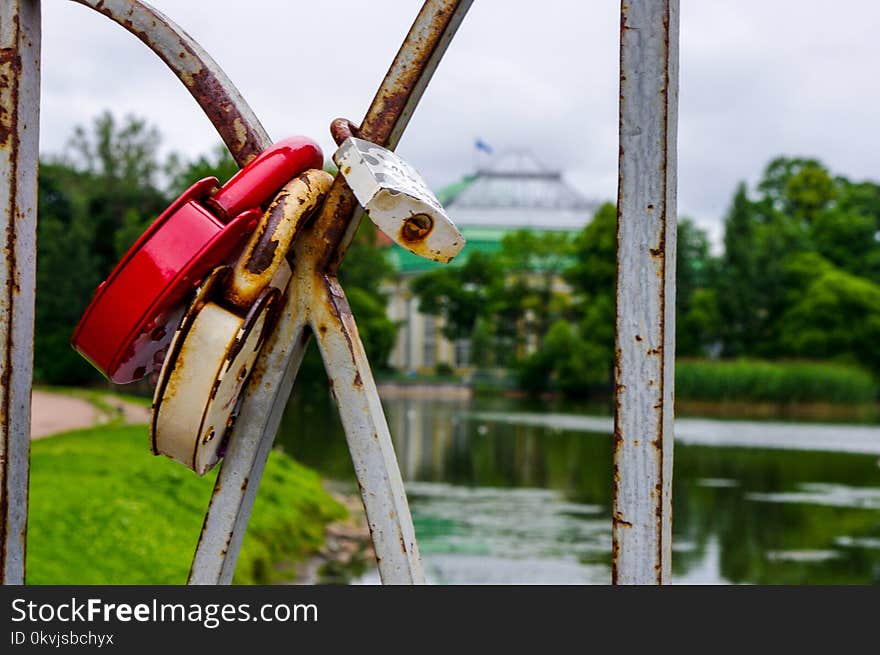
{"points": [[514, 192]]}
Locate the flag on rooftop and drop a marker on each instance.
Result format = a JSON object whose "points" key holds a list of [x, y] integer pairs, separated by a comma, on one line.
{"points": [[479, 144]]}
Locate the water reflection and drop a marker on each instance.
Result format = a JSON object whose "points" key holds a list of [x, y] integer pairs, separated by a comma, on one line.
{"points": [[496, 501]]}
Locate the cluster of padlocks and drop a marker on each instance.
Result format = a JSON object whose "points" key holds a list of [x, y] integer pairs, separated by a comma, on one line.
{"points": [[195, 297]]}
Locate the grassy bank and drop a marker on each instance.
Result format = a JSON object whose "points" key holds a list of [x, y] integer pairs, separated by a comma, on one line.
{"points": [[781, 382], [103, 510]]}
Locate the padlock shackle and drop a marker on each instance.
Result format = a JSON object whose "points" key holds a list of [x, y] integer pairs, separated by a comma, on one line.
{"points": [[267, 247], [341, 129], [258, 183]]}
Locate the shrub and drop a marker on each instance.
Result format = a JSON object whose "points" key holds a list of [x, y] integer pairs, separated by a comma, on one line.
{"points": [[780, 381]]}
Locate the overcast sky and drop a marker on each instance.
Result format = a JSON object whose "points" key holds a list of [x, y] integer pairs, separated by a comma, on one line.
{"points": [[759, 78]]}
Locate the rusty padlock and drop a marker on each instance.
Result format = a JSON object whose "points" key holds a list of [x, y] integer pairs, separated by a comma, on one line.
{"points": [[214, 348], [131, 318], [396, 197]]}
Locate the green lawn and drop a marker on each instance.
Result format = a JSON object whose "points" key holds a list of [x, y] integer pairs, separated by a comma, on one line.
{"points": [[104, 510]]}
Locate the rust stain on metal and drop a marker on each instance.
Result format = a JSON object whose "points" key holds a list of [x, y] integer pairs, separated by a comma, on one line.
{"points": [[620, 522], [390, 101], [658, 514], [10, 78], [401, 539], [333, 222], [263, 253], [304, 178], [10, 72], [416, 228], [341, 129], [339, 307], [205, 520], [240, 138]]}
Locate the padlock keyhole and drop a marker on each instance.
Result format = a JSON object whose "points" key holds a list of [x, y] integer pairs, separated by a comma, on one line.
{"points": [[417, 227]]}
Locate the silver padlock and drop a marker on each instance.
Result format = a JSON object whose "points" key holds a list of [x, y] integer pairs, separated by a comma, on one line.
{"points": [[397, 200]]}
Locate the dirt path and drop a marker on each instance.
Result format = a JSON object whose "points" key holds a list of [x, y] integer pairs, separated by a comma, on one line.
{"points": [[52, 413], [130, 412]]}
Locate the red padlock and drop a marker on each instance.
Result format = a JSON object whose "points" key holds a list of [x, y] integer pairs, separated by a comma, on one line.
{"points": [[132, 316]]}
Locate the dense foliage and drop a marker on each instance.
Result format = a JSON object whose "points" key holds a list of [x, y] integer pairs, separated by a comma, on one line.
{"points": [[773, 381], [798, 279], [98, 196]]}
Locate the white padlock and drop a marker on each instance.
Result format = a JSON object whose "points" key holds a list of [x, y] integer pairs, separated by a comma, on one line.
{"points": [[397, 200]]}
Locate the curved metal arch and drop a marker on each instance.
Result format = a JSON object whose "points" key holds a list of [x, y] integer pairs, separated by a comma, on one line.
{"points": [[218, 97]]}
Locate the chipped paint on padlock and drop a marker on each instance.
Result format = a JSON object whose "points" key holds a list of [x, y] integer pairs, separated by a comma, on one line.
{"points": [[214, 351], [292, 208], [397, 200], [195, 403]]}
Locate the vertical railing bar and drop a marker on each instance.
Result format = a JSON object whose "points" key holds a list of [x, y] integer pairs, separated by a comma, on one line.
{"points": [[645, 324], [19, 154], [369, 439]]}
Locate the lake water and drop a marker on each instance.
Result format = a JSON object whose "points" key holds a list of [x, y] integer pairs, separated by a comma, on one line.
{"points": [[502, 493]]}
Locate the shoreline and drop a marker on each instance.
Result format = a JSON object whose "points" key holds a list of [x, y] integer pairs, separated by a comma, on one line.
{"points": [[417, 389], [827, 437]]}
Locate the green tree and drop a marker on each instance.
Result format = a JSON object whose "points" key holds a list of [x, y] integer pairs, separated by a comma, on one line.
{"points": [[738, 296], [66, 275], [836, 316], [365, 267], [532, 264], [462, 296], [697, 319], [578, 354], [847, 232], [594, 269], [799, 188], [216, 163], [119, 162], [566, 362]]}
